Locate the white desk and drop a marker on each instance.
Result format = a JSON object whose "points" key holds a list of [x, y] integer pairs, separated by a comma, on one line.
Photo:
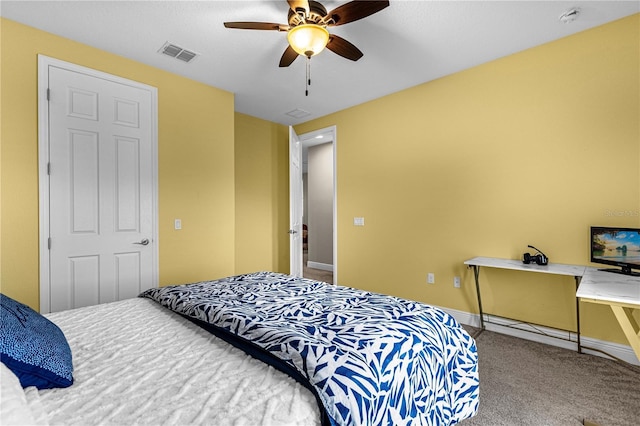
{"points": [[621, 293], [575, 271]]}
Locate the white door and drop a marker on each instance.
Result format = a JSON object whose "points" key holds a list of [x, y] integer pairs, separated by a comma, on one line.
{"points": [[295, 203], [101, 189]]}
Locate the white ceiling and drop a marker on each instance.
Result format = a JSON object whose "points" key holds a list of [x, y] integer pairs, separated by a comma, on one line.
{"points": [[406, 44]]}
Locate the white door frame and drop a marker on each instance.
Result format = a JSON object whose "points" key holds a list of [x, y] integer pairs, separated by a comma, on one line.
{"points": [[334, 136], [44, 62]]}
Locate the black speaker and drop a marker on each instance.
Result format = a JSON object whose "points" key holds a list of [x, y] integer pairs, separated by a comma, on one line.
{"points": [[539, 258]]}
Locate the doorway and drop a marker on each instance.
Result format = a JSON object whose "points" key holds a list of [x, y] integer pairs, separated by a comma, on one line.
{"points": [[319, 205]]}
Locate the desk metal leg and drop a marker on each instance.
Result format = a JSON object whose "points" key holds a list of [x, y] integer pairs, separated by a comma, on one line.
{"points": [[578, 278], [476, 273]]}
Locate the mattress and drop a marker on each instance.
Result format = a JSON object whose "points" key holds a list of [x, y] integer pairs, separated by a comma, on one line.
{"points": [[135, 362]]}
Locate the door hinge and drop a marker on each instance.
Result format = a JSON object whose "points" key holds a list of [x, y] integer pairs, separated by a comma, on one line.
{"points": [[48, 94], [49, 243]]}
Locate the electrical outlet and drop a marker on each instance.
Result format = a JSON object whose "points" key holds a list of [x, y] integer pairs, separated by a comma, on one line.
{"points": [[456, 282], [431, 278]]}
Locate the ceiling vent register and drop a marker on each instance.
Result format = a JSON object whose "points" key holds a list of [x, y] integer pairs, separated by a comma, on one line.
{"points": [[177, 52], [298, 113]]}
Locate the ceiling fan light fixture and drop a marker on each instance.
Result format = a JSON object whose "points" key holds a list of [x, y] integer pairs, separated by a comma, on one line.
{"points": [[308, 39]]}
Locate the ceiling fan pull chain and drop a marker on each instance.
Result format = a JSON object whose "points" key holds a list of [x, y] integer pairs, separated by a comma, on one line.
{"points": [[308, 78]]}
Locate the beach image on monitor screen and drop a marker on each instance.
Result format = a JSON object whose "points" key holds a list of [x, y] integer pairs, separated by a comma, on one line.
{"points": [[617, 246]]}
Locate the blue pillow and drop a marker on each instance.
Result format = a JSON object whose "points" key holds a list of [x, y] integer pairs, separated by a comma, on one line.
{"points": [[33, 347]]}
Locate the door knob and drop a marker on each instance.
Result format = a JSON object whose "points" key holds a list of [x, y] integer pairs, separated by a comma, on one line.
{"points": [[143, 242], [292, 231]]}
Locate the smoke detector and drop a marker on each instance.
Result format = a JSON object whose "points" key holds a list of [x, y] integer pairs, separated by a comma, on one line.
{"points": [[177, 52], [570, 15]]}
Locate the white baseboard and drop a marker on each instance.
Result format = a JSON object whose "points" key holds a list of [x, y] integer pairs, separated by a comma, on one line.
{"points": [[623, 352], [318, 265], [462, 317], [549, 336]]}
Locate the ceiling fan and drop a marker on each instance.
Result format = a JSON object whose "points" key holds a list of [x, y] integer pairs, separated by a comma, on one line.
{"points": [[307, 29]]}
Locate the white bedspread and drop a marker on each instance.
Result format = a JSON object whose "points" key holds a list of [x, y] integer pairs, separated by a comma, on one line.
{"points": [[138, 363]]}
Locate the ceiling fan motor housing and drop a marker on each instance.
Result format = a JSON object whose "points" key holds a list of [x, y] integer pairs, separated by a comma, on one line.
{"points": [[317, 13]]}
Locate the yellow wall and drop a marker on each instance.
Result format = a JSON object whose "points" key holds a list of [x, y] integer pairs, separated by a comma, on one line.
{"points": [[262, 204], [195, 155], [528, 149]]}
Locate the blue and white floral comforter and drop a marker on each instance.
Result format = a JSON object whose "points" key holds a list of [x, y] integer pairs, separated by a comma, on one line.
{"points": [[372, 359]]}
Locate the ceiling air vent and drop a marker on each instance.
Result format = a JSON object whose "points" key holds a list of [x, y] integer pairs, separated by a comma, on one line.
{"points": [[298, 113], [177, 52]]}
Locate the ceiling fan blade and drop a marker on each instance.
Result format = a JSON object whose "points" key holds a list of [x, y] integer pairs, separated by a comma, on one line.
{"points": [[353, 11], [299, 4], [288, 57], [343, 48], [257, 26]]}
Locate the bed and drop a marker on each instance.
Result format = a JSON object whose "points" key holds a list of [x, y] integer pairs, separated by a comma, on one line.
{"points": [[256, 349]]}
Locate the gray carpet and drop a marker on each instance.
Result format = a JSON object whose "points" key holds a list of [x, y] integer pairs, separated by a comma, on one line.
{"points": [[530, 383]]}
